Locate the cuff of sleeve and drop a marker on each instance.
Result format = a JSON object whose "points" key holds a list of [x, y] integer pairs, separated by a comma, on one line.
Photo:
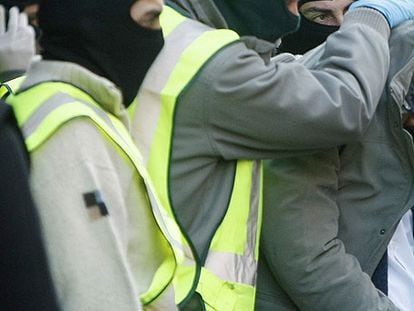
{"points": [[10, 75], [369, 17]]}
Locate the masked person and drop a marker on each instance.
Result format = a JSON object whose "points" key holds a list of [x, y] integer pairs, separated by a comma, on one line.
{"points": [[110, 244], [213, 105], [330, 217], [318, 20]]}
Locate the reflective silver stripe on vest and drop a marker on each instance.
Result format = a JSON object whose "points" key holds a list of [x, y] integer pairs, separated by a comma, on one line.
{"points": [[177, 244], [243, 268], [54, 102], [255, 196], [232, 267], [155, 81]]}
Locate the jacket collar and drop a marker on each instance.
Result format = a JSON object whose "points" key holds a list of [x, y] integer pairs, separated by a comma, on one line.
{"points": [[103, 91], [204, 11]]}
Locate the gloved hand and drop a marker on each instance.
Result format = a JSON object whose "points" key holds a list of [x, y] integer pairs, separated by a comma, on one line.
{"points": [[17, 41], [395, 11]]}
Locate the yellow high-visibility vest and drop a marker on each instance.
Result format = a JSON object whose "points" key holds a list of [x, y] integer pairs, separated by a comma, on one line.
{"points": [[42, 109], [228, 278]]}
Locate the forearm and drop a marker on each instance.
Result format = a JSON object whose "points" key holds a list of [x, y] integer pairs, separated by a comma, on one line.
{"points": [[288, 106], [10, 75]]}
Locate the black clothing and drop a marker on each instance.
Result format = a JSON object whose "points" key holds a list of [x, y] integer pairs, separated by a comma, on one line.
{"points": [[308, 36], [25, 282], [264, 19]]}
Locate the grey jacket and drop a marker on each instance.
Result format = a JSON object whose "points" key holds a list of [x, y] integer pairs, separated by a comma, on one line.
{"points": [[241, 106], [328, 217]]}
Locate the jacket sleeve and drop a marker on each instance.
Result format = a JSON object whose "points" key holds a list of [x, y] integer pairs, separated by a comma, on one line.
{"points": [[300, 238], [255, 110], [86, 248]]}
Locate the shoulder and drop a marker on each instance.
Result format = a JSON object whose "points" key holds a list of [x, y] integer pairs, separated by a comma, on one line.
{"points": [[78, 141]]}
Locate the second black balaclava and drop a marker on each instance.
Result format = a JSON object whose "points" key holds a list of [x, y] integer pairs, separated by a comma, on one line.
{"points": [[265, 19], [308, 36], [101, 36]]}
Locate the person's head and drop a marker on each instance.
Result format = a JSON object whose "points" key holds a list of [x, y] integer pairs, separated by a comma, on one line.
{"points": [[319, 18], [116, 39], [266, 19]]}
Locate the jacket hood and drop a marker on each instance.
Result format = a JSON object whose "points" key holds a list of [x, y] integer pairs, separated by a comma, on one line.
{"points": [[204, 11]]}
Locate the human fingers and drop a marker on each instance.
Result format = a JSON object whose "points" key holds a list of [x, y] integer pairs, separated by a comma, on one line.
{"points": [[2, 20], [13, 20], [23, 20]]}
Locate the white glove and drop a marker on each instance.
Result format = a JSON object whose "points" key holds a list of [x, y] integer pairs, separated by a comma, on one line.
{"points": [[17, 42]]}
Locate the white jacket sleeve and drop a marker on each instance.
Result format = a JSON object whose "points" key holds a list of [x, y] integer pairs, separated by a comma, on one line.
{"points": [[86, 248]]}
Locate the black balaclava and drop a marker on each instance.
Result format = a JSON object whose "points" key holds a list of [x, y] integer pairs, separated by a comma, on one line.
{"points": [[265, 19], [308, 36], [101, 36]]}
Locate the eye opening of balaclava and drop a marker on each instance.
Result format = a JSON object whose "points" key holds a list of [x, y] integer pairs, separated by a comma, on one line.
{"points": [[309, 35], [101, 36], [265, 19]]}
